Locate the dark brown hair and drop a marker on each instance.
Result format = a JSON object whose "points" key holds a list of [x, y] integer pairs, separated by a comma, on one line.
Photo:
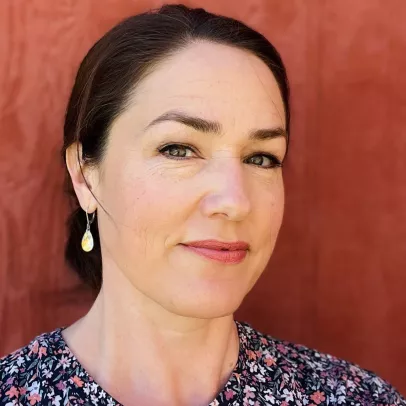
{"points": [[112, 69]]}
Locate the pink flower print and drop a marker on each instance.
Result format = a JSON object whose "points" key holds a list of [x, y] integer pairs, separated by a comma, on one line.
{"points": [[229, 394], [249, 392], [251, 354], [34, 348], [318, 397], [12, 392], [34, 398], [61, 385], [77, 381], [269, 361], [42, 351], [281, 348]]}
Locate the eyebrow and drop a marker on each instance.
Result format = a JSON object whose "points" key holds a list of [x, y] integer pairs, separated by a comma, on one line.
{"points": [[207, 126]]}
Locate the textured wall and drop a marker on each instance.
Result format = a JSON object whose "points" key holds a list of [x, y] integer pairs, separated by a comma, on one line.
{"points": [[338, 276]]}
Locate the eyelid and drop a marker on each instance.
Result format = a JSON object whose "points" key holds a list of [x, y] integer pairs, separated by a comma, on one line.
{"points": [[162, 149], [269, 155], [179, 144]]}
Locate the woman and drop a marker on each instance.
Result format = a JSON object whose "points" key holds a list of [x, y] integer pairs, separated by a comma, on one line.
{"points": [[175, 136]]}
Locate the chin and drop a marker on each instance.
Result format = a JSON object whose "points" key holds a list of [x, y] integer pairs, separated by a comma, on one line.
{"points": [[205, 306]]}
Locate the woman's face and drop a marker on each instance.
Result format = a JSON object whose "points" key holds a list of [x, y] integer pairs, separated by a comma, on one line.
{"points": [[193, 157]]}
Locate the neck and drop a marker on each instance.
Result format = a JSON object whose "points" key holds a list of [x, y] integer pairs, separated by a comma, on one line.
{"points": [[142, 354]]}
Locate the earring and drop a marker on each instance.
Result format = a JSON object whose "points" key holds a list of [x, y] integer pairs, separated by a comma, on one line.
{"points": [[87, 240]]}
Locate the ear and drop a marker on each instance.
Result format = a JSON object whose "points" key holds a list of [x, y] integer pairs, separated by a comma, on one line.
{"points": [[84, 177]]}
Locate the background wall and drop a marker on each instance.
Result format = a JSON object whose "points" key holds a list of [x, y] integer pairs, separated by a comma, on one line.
{"points": [[338, 276]]}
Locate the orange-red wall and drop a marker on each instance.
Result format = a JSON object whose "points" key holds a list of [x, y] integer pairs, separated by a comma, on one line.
{"points": [[337, 280]]}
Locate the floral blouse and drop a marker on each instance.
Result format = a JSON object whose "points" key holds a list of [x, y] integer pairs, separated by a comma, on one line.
{"points": [[268, 372]]}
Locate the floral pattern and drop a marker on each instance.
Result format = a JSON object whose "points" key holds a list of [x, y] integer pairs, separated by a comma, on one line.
{"points": [[268, 372]]}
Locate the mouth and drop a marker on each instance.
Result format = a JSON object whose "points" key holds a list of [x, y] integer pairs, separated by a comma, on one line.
{"points": [[219, 251]]}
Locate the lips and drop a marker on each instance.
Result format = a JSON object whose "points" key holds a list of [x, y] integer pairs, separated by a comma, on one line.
{"points": [[220, 251]]}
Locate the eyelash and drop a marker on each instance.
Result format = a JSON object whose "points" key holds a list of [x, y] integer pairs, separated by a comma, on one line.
{"points": [[275, 161]]}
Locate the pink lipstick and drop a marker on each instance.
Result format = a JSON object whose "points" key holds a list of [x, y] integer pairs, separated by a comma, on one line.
{"points": [[220, 251]]}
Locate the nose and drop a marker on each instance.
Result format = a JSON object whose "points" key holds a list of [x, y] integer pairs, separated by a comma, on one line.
{"points": [[227, 192]]}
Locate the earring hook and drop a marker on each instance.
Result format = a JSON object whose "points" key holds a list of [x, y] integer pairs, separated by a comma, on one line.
{"points": [[89, 222]]}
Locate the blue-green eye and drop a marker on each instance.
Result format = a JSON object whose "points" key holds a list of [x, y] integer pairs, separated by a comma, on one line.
{"points": [[264, 161], [177, 151], [180, 151]]}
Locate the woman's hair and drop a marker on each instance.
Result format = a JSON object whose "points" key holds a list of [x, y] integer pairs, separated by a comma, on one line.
{"points": [[109, 74]]}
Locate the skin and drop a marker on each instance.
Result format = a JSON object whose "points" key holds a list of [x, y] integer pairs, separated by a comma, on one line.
{"points": [[162, 331]]}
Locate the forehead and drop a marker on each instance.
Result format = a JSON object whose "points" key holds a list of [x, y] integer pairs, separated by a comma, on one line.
{"points": [[216, 81]]}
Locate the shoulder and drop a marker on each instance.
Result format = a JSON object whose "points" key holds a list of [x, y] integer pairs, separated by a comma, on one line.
{"points": [[316, 376], [24, 372]]}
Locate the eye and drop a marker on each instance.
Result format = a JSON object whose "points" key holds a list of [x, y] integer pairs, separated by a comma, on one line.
{"points": [[177, 151], [264, 161]]}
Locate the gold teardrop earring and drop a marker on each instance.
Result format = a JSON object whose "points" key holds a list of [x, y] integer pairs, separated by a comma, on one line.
{"points": [[87, 240]]}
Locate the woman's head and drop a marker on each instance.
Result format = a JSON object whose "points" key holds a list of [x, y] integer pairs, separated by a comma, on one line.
{"points": [[175, 131]]}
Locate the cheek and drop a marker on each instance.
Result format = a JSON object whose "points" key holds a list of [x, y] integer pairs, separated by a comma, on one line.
{"points": [[278, 206], [145, 206], [267, 220], [270, 193], [269, 214]]}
